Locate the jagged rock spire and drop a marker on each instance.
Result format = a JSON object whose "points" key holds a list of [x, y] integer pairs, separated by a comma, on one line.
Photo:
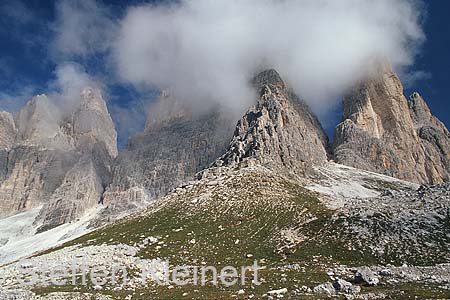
{"points": [[382, 132], [279, 131], [61, 159]]}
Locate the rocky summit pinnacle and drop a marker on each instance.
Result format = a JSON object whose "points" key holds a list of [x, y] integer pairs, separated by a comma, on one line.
{"points": [[279, 131], [382, 132], [59, 160]]}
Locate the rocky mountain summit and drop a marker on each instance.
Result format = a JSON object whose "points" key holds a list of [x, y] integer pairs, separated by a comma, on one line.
{"points": [[69, 161], [58, 160], [383, 132], [279, 131]]}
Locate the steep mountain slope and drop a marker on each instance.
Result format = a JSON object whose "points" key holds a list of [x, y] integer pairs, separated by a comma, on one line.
{"points": [[94, 137], [175, 145], [434, 137], [59, 160], [278, 132], [233, 216], [382, 132]]}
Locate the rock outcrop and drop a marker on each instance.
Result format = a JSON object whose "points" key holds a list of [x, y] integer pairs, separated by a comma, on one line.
{"points": [[176, 144], [60, 160], [382, 132], [279, 131]]}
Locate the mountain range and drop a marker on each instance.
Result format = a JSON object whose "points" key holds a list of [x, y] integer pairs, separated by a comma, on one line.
{"points": [[324, 218]]}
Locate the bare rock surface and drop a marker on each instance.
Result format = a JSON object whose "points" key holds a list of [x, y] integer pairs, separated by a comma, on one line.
{"points": [[399, 225], [279, 131], [175, 145], [61, 160], [7, 130], [382, 132], [8, 134]]}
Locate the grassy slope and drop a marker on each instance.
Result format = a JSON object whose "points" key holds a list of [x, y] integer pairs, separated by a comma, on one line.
{"points": [[255, 210]]}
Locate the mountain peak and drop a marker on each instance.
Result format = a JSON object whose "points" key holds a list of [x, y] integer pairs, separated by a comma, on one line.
{"points": [[420, 112], [166, 110], [382, 132], [92, 122], [91, 99], [279, 132], [37, 121], [269, 77]]}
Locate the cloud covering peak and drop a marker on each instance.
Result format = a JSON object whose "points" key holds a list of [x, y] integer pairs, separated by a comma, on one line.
{"points": [[207, 51]]}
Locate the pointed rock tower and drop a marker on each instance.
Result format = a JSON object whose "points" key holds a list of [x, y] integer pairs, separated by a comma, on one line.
{"points": [[279, 131], [60, 160], [91, 131], [382, 132]]}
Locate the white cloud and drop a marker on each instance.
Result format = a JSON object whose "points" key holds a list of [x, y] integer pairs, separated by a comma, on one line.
{"points": [[64, 90], [82, 28], [13, 101], [409, 79], [207, 51], [70, 80], [17, 12]]}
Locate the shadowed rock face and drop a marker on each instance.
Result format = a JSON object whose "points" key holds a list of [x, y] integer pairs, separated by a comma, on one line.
{"points": [[279, 131], [175, 145], [59, 161], [382, 132]]}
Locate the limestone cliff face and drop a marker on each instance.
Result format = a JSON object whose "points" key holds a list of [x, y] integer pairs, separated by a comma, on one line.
{"points": [[382, 132], [94, 137], [8, 134], [434, 139], [60, 161], [175, 145], [38, 159], [7, 130], [93, 126], [279, 131]]}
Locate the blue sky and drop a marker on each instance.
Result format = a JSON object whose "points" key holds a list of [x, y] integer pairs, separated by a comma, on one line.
{"points": [[29, 57], [434, 60]]}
